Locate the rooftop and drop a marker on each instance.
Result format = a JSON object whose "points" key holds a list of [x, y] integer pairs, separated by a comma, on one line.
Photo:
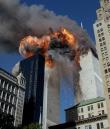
{"points": [[90, 101], [7, 75], [87, 102]]}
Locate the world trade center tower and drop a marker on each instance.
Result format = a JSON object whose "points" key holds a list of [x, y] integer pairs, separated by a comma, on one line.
{"points": [[32, 69]]}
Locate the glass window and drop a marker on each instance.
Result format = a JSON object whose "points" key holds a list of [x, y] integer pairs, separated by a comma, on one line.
{"points": [[81, 109], [108, 90], [103, 38], [82, 116], [100, 40], [98, 31], [98, 126], [98, 35], [102, 104], [101, 44], [90, 127], [103, 112], [101, 124], [97, 25], [106, 71], [88, 108], [101, 29], [104, 43], [79, 118], [91, 107], [98, 105], [89, 115]]}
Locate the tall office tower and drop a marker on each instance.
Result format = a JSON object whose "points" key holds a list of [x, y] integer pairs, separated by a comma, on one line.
{"points": [[9, 96], [90, 77], [102, 36], [51, 109], [33, 71]]}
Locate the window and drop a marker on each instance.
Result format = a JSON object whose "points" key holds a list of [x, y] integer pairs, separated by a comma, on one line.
{"points": [[82, 116], [104, 43], [98, 31], [98, 126], [102, 34], [106, 71], [101, 124], [98, 105], [101, 44], [100, 40], [102, 104], [108, 90], [103, 112], [103, 38], [97, 25], [89, 115], [88, 127], [109, 69], [79, 117], [91, 107], [98, 35], [101, 29], [81, 109], [88, 108]]}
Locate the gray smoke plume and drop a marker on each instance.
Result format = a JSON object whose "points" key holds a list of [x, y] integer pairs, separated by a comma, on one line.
{"points": [[18, 20]]}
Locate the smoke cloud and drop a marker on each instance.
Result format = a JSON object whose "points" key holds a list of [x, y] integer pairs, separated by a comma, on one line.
{"points": [[18, 20]]}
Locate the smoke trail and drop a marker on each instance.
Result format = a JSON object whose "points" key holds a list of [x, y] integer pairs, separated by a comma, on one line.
{"points": [[18, 20]]}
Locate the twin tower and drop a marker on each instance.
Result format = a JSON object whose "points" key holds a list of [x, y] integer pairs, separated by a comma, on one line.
{"points": [[42, 96]]}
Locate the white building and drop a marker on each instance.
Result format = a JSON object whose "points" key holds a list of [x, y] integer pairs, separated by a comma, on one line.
{"points": [[20, 100], [12, 93], [102, 36], [89, 114], [90, 77]]}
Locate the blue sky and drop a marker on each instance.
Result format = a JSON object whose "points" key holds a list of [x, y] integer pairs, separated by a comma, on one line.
{"points": [[79, 10]]}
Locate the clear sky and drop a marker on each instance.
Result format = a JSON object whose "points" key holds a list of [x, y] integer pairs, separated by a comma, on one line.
{"points": [[79, 10]]}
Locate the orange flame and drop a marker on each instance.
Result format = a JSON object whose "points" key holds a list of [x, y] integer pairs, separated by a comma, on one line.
{"points": [[68, 37], [49, 62], [29, 44]]}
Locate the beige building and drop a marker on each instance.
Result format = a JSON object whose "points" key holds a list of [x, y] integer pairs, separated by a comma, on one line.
{"points": [[89, 114], [12, 92], [20, 100], [102, 36]]}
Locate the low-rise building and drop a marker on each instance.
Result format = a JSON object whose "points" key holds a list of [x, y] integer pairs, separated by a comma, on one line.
{"points": [[89, 114]]}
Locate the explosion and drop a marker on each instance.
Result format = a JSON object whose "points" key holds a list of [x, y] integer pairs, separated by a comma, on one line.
{"points": [[63, 40]]}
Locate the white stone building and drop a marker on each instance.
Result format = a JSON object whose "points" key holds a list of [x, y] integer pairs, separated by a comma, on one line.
{"points": [[20, 100], [12, 92], [89, 114], [102, 36]]}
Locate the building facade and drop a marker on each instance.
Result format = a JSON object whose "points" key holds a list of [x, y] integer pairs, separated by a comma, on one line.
{"points": [[32, 70], [102, 36], [89, 114], [9, 91], [20, 100], [90, 77]]}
